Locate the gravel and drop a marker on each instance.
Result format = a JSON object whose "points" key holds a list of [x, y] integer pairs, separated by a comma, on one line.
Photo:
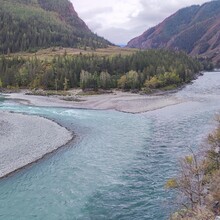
{"points": [[25, 139]]}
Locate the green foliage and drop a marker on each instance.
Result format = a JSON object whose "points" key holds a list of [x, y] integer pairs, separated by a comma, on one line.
{"points": [[122, 82], [153, 69], [105, 80], [28, 25], [129, 81], [65, 84], [163, 80], [48, 93], [171, 184], [86, 79], [170, 87], [189, 160], [153, 83]]}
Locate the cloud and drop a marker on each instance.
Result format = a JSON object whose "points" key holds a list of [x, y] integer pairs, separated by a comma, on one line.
{"points": [[121, 20], [96, 12], [117, 35]]}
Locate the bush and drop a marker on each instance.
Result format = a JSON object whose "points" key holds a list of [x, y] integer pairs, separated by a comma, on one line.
{"points": [[129, 81]]}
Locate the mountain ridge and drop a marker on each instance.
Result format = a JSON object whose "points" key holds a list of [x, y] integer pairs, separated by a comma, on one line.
{"points": [[194, 29], [34, 24]]}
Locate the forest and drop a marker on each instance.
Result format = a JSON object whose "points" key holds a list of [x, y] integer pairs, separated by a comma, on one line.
{"points": [[150, 69], [28, 25]]}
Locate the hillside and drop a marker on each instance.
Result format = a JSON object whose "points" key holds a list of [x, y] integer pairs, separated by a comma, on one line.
{"points": [[194, 29], [27, 25]]}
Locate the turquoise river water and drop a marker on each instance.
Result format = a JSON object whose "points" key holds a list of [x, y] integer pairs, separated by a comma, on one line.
{"points": [[118, 163]]}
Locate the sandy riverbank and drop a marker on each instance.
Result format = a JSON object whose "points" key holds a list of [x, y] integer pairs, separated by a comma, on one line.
{"points": [[120, 101], [26, 139]]}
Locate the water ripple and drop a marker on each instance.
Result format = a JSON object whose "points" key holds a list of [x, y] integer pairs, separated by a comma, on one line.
{"points": [[117, 166]]}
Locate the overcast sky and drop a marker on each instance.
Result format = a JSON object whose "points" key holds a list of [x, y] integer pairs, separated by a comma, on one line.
{"points": [[121, 20]]}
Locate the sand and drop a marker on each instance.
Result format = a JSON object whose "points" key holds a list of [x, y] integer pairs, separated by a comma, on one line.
{"points": [[119, 101], [26, 139]]}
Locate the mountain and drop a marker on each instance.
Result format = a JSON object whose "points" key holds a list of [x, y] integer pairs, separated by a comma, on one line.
{"points": [[194, 29], [33, 24]]}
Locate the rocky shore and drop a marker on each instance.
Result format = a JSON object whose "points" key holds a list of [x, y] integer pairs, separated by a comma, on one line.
{"points": [[26, 139]]}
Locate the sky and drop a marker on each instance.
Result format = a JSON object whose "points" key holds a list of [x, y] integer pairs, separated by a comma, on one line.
{"points": [[121, 20]]}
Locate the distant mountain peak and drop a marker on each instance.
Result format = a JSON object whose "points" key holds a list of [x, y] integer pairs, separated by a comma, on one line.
{"points": [[194, 29]]}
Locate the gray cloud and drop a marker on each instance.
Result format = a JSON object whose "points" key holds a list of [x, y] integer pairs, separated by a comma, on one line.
{"points": [[118, 35], [113, 23], [97, 11]]}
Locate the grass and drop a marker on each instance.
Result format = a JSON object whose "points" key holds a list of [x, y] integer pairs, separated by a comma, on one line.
{"points": [[169, 88], [48, 93], [92, 92], [72, 99], [49, 53]]}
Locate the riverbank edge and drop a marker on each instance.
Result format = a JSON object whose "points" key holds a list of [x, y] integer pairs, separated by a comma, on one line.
{"points": [[45, 155], [117, 100], [206, 166]]}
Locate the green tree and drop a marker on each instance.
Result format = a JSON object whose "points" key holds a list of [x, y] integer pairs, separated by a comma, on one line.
{"points": [[105, 80], [129, 81], [122, 82], [190, 182], [65, 84], [85, 79], [153, 83], [132, 79]]}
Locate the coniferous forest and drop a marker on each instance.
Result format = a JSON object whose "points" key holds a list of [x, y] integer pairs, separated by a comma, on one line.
{"points": [[151, 69], [28, 25]]}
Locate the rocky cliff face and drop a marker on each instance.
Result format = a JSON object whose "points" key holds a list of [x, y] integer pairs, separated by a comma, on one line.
{"points": [[195, 29], [66, 12]]}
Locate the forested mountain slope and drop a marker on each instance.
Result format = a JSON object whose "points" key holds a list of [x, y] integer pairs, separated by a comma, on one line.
{"points": [[32, 24], [194, 29]]}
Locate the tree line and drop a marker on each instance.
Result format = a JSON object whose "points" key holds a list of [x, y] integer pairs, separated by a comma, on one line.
{"points": [[151, 69]]}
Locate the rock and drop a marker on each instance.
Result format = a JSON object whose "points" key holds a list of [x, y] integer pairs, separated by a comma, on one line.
{"points": [[216, 207]]}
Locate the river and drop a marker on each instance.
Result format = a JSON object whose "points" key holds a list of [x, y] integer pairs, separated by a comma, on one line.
{"points": [[117, 165]]}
